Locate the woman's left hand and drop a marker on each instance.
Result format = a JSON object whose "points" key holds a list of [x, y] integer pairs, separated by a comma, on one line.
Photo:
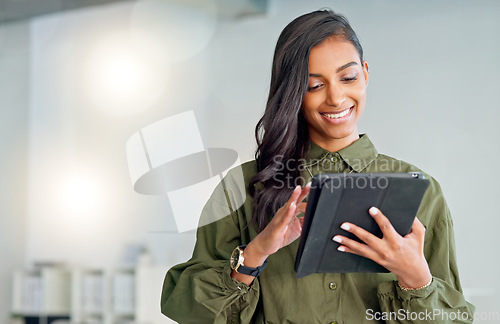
{"points": [[404, 256]]}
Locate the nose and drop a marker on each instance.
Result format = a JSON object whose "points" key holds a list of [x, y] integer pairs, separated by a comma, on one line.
{"points": [[335, 95]]}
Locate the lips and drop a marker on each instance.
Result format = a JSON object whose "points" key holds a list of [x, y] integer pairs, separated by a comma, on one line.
{"points": [[337, 115]]}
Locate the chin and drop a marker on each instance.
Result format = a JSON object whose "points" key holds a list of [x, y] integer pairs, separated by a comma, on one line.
{"points": [[343, 134]]}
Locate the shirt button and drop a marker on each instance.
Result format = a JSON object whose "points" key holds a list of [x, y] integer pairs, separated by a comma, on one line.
{"points": [[332, 285], [333, 322], [333, 159]]}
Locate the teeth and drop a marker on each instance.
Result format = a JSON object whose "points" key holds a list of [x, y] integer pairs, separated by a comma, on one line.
{"points": [[339, 115]]}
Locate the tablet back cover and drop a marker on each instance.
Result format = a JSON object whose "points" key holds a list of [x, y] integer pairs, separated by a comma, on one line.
{"points": [[339, 198]]}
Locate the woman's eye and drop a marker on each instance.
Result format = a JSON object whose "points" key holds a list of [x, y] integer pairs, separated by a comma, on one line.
{"points": [[314, 87], [349, 79]]}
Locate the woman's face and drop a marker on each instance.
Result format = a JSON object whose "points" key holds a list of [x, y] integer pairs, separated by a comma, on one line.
{"points": [[335, 98]]}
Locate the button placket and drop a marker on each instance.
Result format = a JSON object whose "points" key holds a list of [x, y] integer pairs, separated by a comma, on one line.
{"points": [[331, 284]]}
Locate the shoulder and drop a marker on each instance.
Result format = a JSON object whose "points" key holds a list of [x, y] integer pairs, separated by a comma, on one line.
{"points": [[230, 194], [249, 169], [386, 163], [240, 174], [433, 208], [235, 182]]}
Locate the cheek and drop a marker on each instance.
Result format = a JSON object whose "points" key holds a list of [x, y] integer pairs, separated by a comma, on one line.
{"points": [[304, 108], [309, 104], [358, 93], [361, 101], [307, 113]]}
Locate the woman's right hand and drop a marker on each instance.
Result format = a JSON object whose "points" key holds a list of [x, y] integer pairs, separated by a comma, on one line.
{"points": [[285, 227]]}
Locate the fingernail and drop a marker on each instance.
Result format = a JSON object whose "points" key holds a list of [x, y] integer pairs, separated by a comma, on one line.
{"points": [[296, 188], [337, 239], [341, 249], [292, 204], [308, 184], [345, 226], [373, 211]]}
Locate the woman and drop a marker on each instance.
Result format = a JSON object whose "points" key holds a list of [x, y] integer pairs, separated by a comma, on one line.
{"points": [[317, 96]]}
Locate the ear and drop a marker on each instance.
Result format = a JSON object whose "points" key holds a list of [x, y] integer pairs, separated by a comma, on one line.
{"points": [[365, 71]]}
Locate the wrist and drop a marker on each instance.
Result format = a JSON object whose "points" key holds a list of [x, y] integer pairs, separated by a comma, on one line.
{"points": [[415, 280], [406, 288], [248, 265], [253, 258]]}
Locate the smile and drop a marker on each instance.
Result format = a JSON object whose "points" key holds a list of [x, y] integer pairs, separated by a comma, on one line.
{"points": [[337, 115]]}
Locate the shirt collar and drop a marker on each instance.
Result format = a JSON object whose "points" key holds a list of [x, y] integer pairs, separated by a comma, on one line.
{"points": [[358, 155]]}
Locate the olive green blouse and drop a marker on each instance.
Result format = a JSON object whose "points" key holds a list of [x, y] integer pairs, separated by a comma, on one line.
{"points": [[202, 291]]}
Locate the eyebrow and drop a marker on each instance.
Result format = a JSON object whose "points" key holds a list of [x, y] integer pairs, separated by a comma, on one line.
{"points": [[343, 67]]}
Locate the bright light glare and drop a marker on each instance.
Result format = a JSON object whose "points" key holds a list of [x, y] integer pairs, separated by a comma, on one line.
{"points": [[78, 193], [122, 75], [121, 78]]}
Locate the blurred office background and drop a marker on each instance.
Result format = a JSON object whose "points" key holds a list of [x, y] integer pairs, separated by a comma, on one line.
{"points": [[79, 78]]}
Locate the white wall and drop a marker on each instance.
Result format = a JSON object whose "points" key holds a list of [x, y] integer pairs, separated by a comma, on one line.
{"points": [[431, 102], [14, 81], [78, 136]]}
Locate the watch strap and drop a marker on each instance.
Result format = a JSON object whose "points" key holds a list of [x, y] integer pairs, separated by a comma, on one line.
{"points": [[254, 272]]}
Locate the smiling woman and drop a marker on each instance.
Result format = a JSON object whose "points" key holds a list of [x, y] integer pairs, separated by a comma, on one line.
{"points": [[242, 269]]}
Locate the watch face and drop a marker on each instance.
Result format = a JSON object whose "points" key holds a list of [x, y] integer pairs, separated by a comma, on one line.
{"points": [[235, 256]]}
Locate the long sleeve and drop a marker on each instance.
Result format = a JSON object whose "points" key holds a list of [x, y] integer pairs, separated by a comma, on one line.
{"points": [[443, 300], [201, 290]]}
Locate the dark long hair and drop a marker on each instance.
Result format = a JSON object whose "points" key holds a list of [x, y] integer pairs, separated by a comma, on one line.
{"points": [[282, 135]]}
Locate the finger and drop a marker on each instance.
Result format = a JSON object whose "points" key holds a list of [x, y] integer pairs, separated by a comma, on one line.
{"points": [[288, 214], [354, 247], [362, 234], [301, 220], [295, 194], [295, 197], [305, 192], [301, 208], [417, 228], [283, 213], [383, 222], [296, 224]]}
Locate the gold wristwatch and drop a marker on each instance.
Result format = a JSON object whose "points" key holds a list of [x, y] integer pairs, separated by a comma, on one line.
{"points": [[237, 260]]}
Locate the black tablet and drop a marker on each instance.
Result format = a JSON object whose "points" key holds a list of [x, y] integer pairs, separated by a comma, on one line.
{"points": [[340, 197]]}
